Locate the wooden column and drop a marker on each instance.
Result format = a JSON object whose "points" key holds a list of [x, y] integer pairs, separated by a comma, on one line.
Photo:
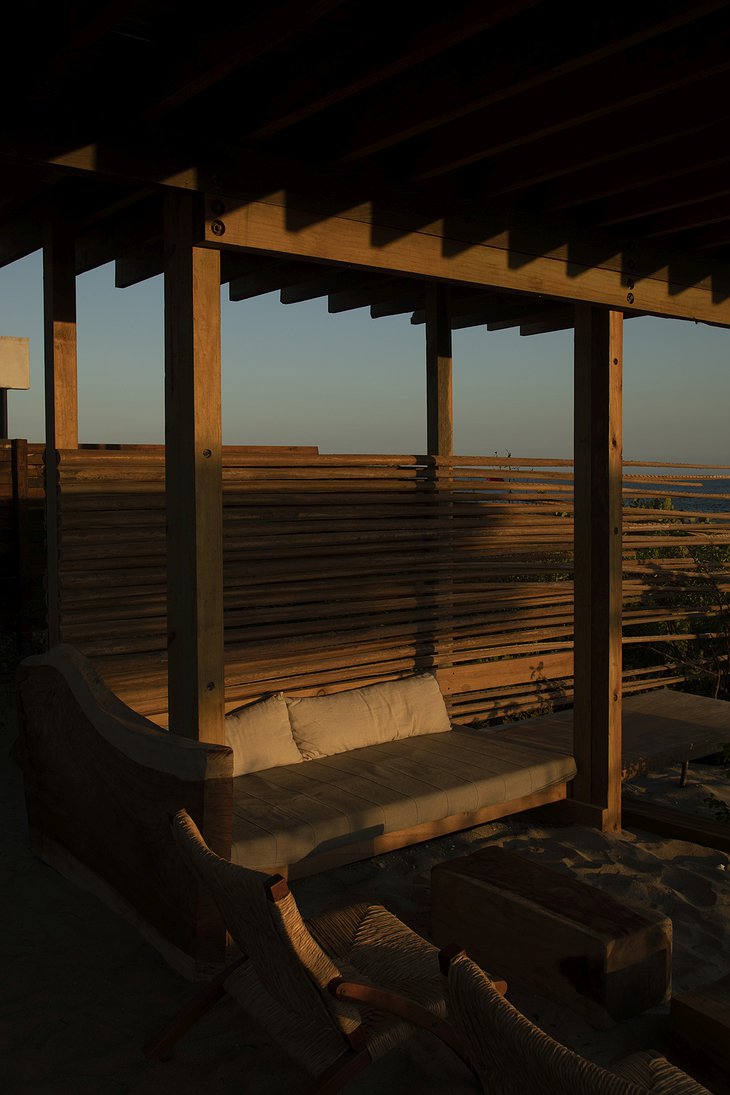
{"points": [[61, 403], [598, 533], [193, 476], [439, 403]]}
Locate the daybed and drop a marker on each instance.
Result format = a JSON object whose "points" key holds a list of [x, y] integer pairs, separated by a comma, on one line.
{"points": [[102, 782]]}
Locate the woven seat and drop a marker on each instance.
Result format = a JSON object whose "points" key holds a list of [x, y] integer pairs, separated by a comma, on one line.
{"points": [[335, 993], [512, 1056]]}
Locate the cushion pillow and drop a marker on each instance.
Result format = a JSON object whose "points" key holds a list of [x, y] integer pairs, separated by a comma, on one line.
{"points": [[324, 725], [260, 736]]}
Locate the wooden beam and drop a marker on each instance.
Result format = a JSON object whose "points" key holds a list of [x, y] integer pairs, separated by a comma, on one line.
{"points": [[193, 478], [560, 319], [147, 261], [479, 302], [368, 293], [409, 235], [127, 229], [321, 284], [500, 249], [597, 566], [20, 235], [410, 302], [61, 402], [270, 277], [439, 402]]}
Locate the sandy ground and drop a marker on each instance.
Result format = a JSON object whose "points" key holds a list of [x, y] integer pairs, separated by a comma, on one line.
{"points": [[81, 992]]}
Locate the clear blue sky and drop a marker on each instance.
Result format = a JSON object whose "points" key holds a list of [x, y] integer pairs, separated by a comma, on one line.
{"points": [[296, 375]]}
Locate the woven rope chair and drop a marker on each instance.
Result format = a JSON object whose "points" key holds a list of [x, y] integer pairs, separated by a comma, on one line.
{"points": [[512, 1056], [331, 991]]}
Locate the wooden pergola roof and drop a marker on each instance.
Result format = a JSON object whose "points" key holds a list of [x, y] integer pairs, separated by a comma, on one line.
{"points": [[516, 163], [527, 153]]}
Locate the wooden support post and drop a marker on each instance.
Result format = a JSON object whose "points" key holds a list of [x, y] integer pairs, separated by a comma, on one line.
{"points": [[193, 477], [62, 429], [439, 403], [598, 535], [440, 442], [3, 414]]}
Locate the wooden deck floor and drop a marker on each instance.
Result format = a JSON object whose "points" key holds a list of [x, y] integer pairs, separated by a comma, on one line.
{"points": [[659, 728]]}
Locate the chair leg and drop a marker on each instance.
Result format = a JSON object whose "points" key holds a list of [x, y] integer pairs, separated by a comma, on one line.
{"points": [[343, 1070], [209, 995]]}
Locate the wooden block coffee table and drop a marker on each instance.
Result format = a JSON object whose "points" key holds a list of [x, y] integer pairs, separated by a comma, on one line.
{"points": [[571, 942]]}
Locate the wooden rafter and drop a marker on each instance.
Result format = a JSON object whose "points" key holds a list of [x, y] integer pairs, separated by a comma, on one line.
{"points": [[646, 74], [403, 111], [309, 91], [215, 60]]}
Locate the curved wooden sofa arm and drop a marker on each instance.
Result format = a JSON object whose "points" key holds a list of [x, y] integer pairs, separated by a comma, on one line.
{"points": [[101, 783]]}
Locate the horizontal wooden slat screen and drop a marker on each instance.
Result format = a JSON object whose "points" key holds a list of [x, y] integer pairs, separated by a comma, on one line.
{"points": [[343, 570], [676, 573], [22, 543], [7, 516]]}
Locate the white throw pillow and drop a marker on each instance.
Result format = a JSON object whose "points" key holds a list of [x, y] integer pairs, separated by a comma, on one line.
{"points": [[260, 736], [324, 725]]}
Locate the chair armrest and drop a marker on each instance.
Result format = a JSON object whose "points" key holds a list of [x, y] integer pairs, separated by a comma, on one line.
{"points": [[394, 1003]]}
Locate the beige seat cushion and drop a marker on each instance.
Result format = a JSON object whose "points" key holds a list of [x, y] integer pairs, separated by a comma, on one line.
{"points": [[378, 713], [260, 736], [285, 814]]}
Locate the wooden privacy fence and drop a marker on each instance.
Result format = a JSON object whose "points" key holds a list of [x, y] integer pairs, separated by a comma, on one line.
{"points": [[343, 570], [22, 539]]}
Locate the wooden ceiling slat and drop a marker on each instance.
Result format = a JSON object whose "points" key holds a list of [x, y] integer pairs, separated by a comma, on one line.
{"points": [[87, 35], [330, 280], [695, 185], [398, 306], [217, 55], [581, 96], [269, 278], [416, 106], [371, 293], [308, 92], [669, 158]]}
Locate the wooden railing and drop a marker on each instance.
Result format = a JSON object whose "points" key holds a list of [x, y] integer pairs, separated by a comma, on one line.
{"points": [[343, 570]]}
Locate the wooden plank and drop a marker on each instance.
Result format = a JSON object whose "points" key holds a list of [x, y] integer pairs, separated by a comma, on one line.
{"points": [[512, 252], [701, 1018], [675, 824], [193, 485], [439, 399], [539, 667], [598, 357]]}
